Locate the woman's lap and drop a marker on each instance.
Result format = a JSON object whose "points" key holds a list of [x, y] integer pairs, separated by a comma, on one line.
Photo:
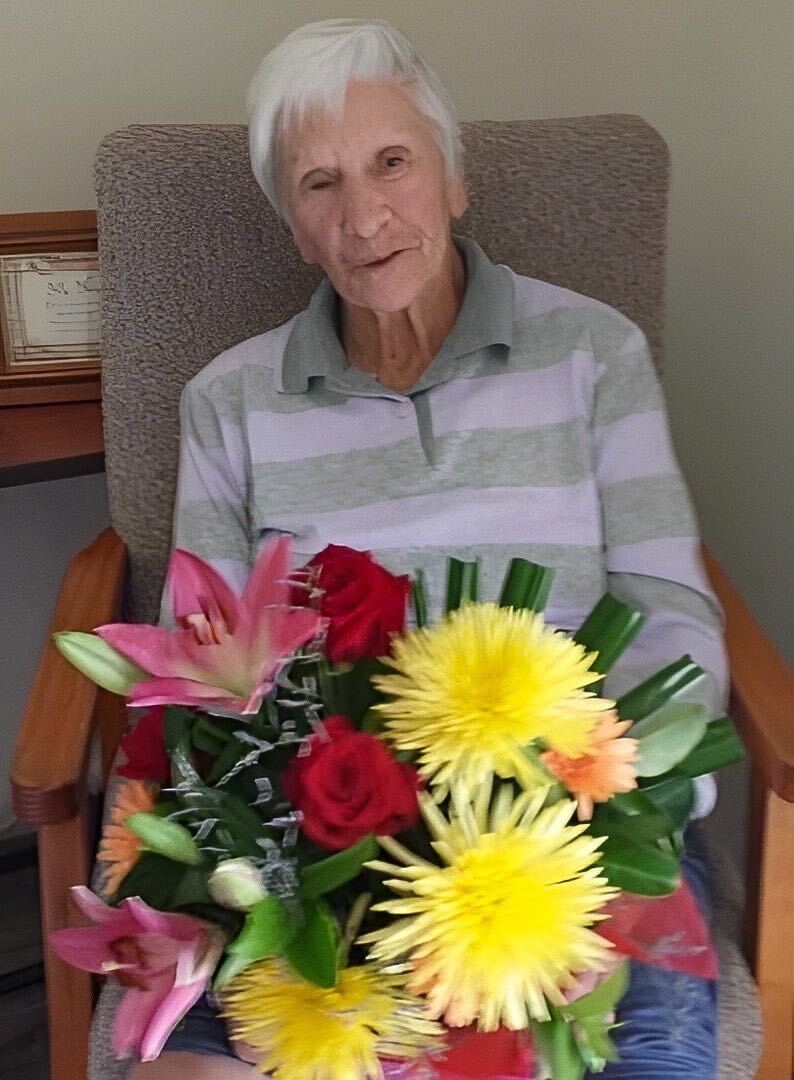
{"points": [[669, 1019]]}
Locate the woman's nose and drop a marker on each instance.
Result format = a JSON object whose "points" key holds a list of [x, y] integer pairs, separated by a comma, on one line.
{"points": [[364, 210]]}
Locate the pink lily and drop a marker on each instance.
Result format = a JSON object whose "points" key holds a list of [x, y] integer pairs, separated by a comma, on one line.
{"points": [[227, 649], [165, 960]]}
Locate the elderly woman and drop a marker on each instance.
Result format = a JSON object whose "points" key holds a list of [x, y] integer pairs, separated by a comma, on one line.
{"points": [[429, 402]]}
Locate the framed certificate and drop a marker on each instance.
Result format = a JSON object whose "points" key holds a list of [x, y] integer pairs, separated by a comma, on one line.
{"points": [[49, 309]]}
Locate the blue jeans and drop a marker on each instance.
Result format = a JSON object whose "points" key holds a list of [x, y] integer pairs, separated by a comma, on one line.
{"points": [[670, 1019]]}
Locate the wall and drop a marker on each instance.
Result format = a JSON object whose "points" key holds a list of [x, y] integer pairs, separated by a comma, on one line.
{"points": [[714, 77]]}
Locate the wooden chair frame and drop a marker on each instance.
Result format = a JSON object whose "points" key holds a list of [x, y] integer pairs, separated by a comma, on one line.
{"points": [[65, 710]]}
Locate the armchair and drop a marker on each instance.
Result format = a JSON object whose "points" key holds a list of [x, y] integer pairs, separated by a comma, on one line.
{"points": [[194, 260]]}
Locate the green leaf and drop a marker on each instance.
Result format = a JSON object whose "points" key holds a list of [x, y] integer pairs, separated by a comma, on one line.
{"points": [[604, 999], [633, 815], [208, 737], [154, 878], [632, 803], [231, 966], [719, 747], [656, 691], [674, 797], [608, 630], [419, 598], [651, 826], [558, 1049], [595, 1044], [231, 754], [266, 931], [178, 721], [164, 837], [461, 583], [373, 724], [191, 888], [99, 661], [666, 737], [312, 953], [328, 874], [526, 585], [638, 867], [239, 827], [348, 689]]}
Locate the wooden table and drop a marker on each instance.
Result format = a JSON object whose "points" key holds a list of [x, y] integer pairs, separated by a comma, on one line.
{"points": [[50, 442]]}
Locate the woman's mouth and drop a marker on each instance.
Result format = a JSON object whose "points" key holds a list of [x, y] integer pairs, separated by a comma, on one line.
{"points": [[377, 264]]}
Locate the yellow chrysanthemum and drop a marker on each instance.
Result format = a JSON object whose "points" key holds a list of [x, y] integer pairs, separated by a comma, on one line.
{"points": [[485, 682], [505, 925], [120, 849], [305, 1032]]}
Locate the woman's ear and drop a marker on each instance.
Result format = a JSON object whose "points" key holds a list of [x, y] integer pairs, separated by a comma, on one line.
{"points": [[305, 247], [458, 200], [302, 239]]}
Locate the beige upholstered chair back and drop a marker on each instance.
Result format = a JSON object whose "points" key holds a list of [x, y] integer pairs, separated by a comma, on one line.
{"points": [[193, 259]]}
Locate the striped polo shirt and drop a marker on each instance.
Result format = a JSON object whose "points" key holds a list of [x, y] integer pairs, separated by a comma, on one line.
{"points": [[538, 430]]}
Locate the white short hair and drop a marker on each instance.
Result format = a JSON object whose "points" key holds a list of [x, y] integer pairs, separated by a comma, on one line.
{"points": [[312, 67]]}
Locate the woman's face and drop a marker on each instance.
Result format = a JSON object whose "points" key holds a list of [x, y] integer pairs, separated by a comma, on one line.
{"points": [[368, 197]]}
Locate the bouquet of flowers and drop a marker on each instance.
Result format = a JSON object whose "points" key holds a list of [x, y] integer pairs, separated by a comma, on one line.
{"points": [[389, 851]]}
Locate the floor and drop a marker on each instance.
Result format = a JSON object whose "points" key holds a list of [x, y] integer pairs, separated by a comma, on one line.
{"points": [[23, 1019]]}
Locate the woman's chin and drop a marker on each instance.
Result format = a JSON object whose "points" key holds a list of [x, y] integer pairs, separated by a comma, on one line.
{"points": [[390, 293]]}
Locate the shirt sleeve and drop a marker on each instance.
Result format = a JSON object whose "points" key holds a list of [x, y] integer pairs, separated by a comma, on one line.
{"points": [[211, 510], [651, 536]]}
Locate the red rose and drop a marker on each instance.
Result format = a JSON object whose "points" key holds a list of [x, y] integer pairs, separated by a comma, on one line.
{"points": [[144, 748], [363, 602], [349, 785]]}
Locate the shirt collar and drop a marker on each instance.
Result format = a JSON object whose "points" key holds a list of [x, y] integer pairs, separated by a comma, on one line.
{"points": [[314, 348]]}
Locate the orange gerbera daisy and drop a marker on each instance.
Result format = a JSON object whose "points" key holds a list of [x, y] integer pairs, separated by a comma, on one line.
{"points": [[605, 771], [119, 848]]}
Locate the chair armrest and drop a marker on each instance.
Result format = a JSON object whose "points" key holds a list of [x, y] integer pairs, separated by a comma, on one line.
{"points": [[762, 687], [54, 738]]}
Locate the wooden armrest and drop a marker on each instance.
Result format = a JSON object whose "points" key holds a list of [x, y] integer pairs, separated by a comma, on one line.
{"points": [[55, 734], [762, 687]]}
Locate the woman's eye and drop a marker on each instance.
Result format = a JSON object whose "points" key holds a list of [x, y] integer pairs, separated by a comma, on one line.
{"points": [[393, 161], [318, 185]]}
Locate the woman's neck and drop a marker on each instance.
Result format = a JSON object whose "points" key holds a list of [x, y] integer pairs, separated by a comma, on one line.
{"points": [[397, 346]]}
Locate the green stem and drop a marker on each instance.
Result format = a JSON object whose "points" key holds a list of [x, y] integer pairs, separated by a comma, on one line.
{"points": [[353, 925]]}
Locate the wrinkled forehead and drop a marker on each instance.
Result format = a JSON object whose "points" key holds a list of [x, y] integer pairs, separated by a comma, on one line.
{"points": [[372, 113]]}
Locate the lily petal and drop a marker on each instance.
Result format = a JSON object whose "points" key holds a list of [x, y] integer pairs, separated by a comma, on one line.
{"points": [[177, 654], [160, 652], [284, 629], [194, 583], [171, 924], [268, 581], [85, 947], [197, 961], [135, 1013], [184, 692], [91, 905], [167, 1014], [254, 702]]}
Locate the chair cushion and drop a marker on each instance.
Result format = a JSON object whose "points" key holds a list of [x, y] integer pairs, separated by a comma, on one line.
{"points": [[194, 260]]}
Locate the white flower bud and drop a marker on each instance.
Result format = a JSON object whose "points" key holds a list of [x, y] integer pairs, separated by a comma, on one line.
{"points": [[236, 884]]}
